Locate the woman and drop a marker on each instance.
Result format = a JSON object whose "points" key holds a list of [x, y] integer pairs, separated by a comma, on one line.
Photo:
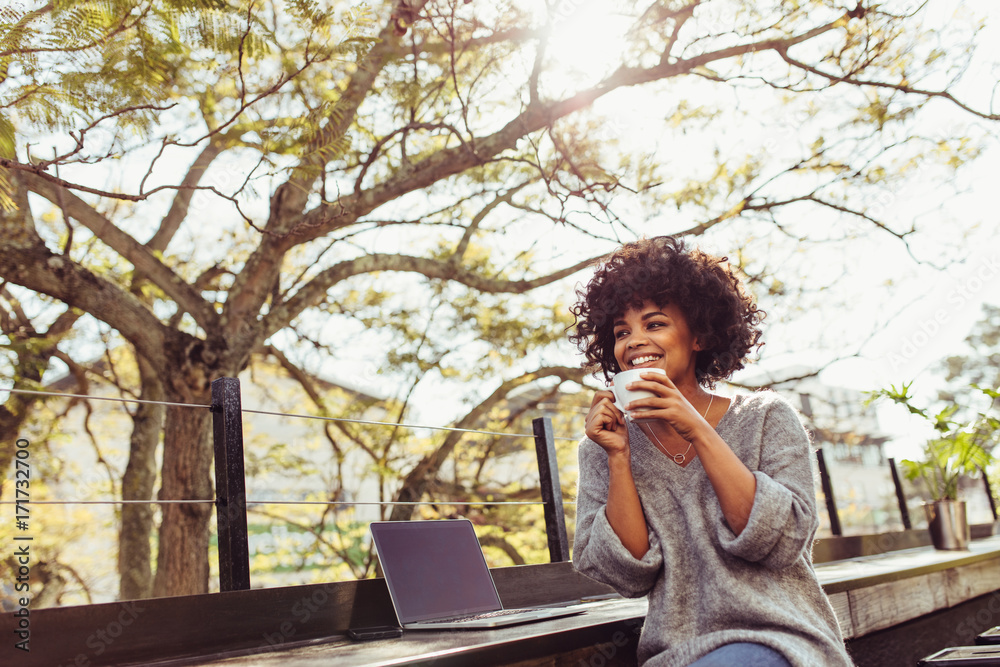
{"points": [[706, 505]]}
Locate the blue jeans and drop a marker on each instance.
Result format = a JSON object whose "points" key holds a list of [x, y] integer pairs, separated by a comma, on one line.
{"points": [[742, 654]]}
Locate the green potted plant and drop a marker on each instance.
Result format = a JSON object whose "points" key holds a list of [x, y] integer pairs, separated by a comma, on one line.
{"points": [[959, 448]]}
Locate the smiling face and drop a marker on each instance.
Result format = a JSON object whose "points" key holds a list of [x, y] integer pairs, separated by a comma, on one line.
{"points": [[654, 336]]}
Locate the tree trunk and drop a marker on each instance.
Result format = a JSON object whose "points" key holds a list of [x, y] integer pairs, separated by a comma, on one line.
{"points": [[134, 553], [182, 561]]}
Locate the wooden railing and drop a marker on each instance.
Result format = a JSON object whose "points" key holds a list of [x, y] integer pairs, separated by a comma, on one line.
{"points": [[882, 585]]}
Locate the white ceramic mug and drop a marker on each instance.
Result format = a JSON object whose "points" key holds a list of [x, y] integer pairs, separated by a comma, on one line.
{"points": [[625, 396]]}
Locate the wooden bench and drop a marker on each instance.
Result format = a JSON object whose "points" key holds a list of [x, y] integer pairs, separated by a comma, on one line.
{"points": [[880, 600]]}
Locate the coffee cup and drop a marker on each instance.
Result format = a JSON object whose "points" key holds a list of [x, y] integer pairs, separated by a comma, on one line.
{"points": [[625, 396]]}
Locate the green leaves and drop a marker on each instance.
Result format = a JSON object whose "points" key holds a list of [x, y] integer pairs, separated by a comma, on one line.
{"points": [[7, 152], [900, 396], [962, 449]]}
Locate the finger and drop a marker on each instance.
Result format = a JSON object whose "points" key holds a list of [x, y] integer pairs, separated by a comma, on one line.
{"points": [[657, 388], [610, 424], [601, 394], [602, 418], [607, 403], [645, 404], [617, 415], [659, 378]]}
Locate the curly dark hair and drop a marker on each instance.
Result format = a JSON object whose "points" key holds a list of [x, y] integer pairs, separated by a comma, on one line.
{"points": [[719, 310]]}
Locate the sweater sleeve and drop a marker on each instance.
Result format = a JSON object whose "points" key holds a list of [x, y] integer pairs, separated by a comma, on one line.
{"points": [[783, 519], [597, 550]]}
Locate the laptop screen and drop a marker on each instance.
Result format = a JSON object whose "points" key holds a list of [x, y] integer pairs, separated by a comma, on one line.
{"points": [[434, 569]]}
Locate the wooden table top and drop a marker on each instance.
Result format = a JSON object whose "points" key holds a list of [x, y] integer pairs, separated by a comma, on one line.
{"points": [[497, 646], [853, 573], [511, 644], [306, 625]]}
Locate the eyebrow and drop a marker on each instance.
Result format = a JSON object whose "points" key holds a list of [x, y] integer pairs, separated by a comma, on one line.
{"points": [[619, 323]]}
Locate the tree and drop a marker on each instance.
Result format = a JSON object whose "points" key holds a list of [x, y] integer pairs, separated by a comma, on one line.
{"points": [[308, 135], [979, 365]]}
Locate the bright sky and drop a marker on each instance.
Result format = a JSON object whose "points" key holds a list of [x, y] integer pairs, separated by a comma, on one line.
{"points": [[939, 306], [931, 310]]}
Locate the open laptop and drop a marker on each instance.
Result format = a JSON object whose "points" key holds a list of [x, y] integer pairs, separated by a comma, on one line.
{"points": [[438, 578]]}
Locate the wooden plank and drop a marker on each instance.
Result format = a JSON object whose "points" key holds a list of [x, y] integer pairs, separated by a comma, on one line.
{"points": [[548, 477], [138, 631], [254, 620], [827, 549], [965, 583], [830, 549], [841, 604], [885, 605], [230, 485], [616, 622], [864, 572], [311, 620]]}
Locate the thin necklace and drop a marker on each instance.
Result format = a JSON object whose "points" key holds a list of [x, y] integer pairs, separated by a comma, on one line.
{"points": [[680, 458]]}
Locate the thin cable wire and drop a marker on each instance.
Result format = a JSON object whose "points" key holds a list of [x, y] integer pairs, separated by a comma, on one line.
{"points": [[283, 414], [374, 502], [106, 398], [378, 423], [103, 502], [278, 502]]}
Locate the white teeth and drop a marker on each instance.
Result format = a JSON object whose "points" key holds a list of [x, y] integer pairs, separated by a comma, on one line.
{"points": [[642, 360]]}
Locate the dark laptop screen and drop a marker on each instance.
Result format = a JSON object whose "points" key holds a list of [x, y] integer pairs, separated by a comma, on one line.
{"points": [[434, 569]]}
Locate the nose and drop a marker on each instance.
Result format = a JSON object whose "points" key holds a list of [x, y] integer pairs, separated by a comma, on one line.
{"points": [[635, 340]]}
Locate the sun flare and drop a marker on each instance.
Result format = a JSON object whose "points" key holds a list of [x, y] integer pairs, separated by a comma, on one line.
{"points": [[586, 41]]}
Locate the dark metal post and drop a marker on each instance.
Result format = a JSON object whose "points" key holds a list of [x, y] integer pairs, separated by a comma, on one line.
{"points": [[230, 485], [548, 473], [904, 511], [831, 504], [989, 493]]}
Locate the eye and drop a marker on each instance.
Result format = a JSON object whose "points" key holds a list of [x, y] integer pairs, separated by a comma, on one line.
{"points": [[620, 333]]}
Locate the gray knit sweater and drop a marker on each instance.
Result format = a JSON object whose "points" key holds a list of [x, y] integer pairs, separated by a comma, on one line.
{"points": [[706, 586]]}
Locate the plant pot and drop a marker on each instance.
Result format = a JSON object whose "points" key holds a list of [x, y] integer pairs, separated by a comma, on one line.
{"points": [[947, 524]]}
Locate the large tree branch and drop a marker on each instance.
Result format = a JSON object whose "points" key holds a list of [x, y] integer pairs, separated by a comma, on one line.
{"points": [[448, 162], [38, 269], [511, 35], [140, 256], [358, 87], [254, 283], [182, 199], [473, 227], [316, 289]]}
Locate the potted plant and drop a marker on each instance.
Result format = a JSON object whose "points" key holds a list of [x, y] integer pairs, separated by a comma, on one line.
{"points": [[959, 448]]}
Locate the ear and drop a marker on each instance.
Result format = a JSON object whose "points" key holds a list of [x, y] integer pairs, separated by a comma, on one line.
{"points": [[697, 345]]}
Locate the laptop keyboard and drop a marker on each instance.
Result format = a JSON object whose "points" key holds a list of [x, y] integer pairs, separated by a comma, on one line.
{"points": [[476, 617]]}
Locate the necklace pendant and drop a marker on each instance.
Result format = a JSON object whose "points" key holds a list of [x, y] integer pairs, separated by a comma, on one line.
{"points": [[678, 458]]}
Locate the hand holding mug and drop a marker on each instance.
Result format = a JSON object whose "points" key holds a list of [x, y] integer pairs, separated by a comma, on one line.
{"points": [[624, 396], [606, 423]]}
